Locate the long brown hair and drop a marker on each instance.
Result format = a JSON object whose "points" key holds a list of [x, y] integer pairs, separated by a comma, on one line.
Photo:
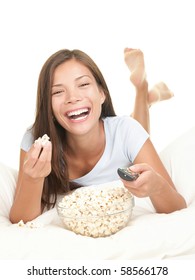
{"points": [[58, 181]]}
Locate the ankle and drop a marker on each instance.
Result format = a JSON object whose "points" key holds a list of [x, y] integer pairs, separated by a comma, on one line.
{"points": [[159, 92], [142, 88]]}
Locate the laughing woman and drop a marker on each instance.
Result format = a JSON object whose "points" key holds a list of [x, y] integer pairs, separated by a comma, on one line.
{"points": [[88, 142]]}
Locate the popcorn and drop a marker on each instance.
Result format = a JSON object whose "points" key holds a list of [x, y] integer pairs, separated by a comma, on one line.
{"points": [[21, 223], [96, 211], [42, 140], [30, 224]]}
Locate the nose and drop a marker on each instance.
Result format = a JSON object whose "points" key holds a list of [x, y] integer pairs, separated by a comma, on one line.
{"points": [[73, 96]]}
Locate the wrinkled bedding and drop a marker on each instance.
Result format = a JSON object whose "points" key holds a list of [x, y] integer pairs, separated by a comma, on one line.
{"points": [[147, 236]]}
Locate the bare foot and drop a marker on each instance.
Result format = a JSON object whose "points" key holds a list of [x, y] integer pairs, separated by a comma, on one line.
{"points": [[134, 59], [158, 93]]}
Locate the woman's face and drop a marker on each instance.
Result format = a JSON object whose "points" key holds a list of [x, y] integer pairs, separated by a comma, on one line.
{"points": [[76, 98]]}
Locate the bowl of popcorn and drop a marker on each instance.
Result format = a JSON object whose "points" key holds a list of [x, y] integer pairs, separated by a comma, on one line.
{"points": [[96, 211]]}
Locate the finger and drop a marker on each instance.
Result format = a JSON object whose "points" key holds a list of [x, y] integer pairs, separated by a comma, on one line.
{"points": [[32, 155], [46, 152], [44, 160], [129, 184], [136, 188], [139, 168]]}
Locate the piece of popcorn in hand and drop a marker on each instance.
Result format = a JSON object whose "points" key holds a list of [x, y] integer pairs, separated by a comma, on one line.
{"points": [[42, 140]]}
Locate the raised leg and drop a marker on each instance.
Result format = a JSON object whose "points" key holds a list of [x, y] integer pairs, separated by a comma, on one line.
{"points": [[144, 98], [135, 61]]}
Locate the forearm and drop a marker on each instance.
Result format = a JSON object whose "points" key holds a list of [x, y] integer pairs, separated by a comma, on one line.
{"points": [[27, 202], [35, 166], [167, 199]]}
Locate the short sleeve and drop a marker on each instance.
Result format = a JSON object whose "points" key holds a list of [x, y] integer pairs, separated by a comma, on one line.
{"points": [[27, 140], [133, 136]]}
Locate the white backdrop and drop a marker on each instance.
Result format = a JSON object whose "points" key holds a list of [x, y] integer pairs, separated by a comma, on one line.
{"points": [[32, 30]]}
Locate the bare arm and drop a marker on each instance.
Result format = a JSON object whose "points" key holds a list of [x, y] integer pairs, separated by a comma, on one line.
{"points": [[34, 167], [154, 181]]}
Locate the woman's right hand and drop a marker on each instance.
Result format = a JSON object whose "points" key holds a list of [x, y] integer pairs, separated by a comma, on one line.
{"points": [[37, 164]]}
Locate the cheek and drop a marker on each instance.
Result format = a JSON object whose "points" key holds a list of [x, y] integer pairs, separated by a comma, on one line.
{"points": [[53, 110], [55, 105]]}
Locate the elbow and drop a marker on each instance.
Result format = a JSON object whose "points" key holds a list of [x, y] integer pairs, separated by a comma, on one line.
{"points": [[14, 217]]}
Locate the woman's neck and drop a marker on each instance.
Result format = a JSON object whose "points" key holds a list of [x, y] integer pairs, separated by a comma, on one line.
{"points": [[88, 145]]}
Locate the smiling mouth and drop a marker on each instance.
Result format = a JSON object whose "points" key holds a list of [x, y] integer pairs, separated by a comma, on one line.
{"points": [[79, 114]]}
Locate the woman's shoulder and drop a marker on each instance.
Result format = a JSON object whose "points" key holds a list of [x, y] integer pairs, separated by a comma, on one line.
{"points": [[120, 121], [125, 126]]}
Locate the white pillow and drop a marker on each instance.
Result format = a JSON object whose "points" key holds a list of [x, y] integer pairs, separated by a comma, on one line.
{"points": [[8, 177], [179, 159]]}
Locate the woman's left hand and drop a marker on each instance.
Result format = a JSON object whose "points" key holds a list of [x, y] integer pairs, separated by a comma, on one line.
{"points": [[148, 183]]}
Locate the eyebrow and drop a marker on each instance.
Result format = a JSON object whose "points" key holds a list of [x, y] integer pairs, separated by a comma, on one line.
{"points": [[78, 78]]}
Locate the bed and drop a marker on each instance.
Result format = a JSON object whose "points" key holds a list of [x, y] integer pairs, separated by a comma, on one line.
{"points": [[147, 236]]}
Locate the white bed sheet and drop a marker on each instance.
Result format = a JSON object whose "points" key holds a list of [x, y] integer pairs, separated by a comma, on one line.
{"points": [[148, 236]]}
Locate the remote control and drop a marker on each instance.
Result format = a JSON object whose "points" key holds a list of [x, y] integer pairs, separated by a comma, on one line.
{"points": [[127, 174]]}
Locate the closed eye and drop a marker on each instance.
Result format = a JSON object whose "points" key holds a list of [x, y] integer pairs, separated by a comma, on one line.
{"points": [[57, 92], [84, 84]]}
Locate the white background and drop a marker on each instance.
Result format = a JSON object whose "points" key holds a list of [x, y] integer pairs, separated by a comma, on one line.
{"points": [[32, 30]]}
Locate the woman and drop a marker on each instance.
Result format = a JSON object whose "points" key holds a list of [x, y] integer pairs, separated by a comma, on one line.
{"points": [[88, 141]]}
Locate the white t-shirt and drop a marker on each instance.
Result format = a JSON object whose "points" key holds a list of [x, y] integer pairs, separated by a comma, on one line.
{"points": [[124, 139]]}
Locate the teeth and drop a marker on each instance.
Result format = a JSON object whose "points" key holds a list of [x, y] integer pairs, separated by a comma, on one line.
{"points": [[77, 112]]}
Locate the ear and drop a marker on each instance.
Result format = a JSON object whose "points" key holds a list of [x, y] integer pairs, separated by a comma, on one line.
{"points": [[103, 97]]}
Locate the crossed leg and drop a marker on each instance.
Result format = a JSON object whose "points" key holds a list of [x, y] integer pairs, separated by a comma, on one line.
{"points": [[144, 98]]}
